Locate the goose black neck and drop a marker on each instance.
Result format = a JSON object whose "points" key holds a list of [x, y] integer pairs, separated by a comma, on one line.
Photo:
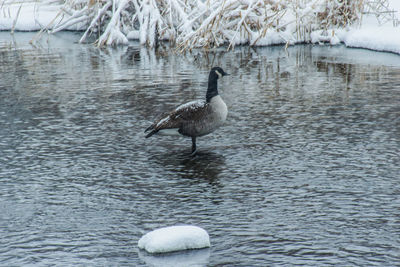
{"points": [[212, 87]]}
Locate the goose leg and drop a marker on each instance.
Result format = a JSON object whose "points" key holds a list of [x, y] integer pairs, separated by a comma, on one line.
{"points": [[193, 145]]}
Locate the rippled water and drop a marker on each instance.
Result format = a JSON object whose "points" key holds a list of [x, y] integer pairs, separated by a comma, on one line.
{"points": [[305, 171]]}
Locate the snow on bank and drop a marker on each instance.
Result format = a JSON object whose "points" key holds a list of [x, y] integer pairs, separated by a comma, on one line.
{"points": [[174, 238], [26, 15], [375, 38], [377, 33]]}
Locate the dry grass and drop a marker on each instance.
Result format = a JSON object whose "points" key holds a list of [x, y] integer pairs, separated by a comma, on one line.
{"points": [[195, 23], [341, 13]]}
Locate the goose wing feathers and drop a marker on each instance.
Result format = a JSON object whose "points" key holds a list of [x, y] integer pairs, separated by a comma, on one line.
{"points": [[190, 112]]}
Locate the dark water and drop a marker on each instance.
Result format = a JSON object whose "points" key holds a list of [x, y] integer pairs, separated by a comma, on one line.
{"points": [[305, 172]]}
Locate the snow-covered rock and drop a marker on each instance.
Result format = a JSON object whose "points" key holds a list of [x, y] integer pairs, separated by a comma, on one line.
{"points": [[174, 238]]}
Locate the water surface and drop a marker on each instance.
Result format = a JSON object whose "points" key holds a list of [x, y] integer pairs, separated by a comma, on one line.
{"points": [[306, 170]]}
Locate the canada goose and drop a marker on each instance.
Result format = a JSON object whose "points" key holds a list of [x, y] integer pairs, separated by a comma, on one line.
{"points": [[196, 118]]}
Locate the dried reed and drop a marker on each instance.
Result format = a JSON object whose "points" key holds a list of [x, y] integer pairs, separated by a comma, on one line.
{"points": [[195, 23]]}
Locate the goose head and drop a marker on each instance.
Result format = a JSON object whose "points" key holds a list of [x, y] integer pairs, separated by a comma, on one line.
{"points": [[216, 73]]}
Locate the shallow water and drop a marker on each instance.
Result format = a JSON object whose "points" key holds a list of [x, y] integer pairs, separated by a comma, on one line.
{"points": [[306, 170]]}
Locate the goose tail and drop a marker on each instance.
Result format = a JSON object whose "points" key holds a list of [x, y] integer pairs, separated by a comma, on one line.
{"points": [[154, 131], [151, 127]]}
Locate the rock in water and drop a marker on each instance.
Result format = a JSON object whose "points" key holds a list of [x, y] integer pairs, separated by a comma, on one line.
{"points": [[174, 238]]}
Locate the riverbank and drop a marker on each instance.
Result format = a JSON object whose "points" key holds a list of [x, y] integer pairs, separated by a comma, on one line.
{"points": [[380, 33]]}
